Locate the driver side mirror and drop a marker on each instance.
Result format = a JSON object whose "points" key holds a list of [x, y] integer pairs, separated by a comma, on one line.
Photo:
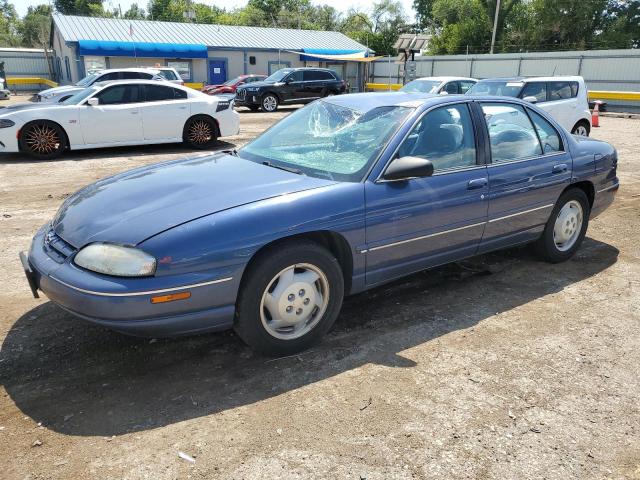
{"points": [[530, 99], [404, 168], [93, 102]]}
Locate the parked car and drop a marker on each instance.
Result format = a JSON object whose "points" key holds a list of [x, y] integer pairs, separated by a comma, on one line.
{"points": [[343, 195], [290, 86], [170, 74], [126, 112], [564, 98], [230, 86], [439, 85], [60, 94]]}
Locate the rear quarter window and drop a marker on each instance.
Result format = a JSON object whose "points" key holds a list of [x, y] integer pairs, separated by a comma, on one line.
{"points": [[562, 90]]}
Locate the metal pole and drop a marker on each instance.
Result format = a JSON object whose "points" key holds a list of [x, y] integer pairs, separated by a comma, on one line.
{"points": [[389, 72], [495, 25]]}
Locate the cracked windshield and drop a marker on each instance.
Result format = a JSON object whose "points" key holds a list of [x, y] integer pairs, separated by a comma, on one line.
{"points": [[327, 140]]}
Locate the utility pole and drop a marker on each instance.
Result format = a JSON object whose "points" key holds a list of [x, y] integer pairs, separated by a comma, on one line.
{"points": [[495, 25]]}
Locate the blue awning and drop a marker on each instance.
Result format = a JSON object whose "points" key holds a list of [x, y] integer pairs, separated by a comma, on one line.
{"points": [[104, 48]]}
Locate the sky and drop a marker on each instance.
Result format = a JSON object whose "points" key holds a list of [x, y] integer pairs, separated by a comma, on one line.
{"points": [[340, 5]]}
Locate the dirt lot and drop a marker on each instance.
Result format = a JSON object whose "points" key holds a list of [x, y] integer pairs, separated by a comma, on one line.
{"points": [[503, 367]]}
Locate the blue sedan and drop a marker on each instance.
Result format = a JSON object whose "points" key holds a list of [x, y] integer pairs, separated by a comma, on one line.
{"points": [[342, 195]]}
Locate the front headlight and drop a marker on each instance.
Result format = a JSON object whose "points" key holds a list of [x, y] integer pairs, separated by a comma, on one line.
{"points": [[223, 105], [6, 123], [116, 260]]}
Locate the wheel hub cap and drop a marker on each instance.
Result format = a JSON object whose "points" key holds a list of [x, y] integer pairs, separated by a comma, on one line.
{"points": [[200, 132], [568, 225], [42, 139], [294, 302], [270, 103]]}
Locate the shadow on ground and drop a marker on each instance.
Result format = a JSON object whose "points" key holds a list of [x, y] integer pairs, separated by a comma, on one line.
{"points": [[117, 152], [79, 379]]}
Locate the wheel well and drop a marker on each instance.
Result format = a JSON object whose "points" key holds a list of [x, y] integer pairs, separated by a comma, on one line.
{"points": [[198, 115], [271, 93], [588, 189], [584, 122], [332, 241], [64, 132]]}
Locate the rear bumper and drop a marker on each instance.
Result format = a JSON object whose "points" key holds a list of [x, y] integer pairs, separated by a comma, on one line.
{"points": [[124, 304], [604, 197]]}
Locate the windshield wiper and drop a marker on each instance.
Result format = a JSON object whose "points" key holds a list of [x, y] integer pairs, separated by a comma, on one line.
{"points": [[286, 169], [233, 152]]}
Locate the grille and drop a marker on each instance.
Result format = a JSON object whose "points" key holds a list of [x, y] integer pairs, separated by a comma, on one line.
{"points": [[241, 94], [56, 247]]}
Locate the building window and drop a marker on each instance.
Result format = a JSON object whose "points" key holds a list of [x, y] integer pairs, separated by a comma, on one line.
{"points": [[67, 67], [252, 60], [93, 64], [183, 68]]}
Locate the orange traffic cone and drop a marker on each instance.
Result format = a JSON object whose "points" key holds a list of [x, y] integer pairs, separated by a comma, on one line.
{"points": [[595, 115]]}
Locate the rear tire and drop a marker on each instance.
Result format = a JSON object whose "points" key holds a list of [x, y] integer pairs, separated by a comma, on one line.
{"points": [[200, 132], [566, 228], [581, 128], [42, 140], [269, 103], [289, 298]]}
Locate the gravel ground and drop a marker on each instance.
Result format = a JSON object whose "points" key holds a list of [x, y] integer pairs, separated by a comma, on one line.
{"points": [[501, 367]]}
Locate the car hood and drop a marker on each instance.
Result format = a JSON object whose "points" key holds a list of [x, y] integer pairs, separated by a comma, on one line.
{"points": [[260, 84], [61, 89], [133, 206], [18, 107]]}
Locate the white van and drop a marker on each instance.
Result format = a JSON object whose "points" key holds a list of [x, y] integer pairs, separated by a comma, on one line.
{"points": [[564, 98]]}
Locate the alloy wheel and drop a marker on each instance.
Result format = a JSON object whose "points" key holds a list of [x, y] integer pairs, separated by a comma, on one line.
{"points": [[269, 103], [294, 301], [200, 132], [582, 131], [42, 139]]}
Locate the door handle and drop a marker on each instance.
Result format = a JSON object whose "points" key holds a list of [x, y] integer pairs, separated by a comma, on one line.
{"points": [[477, 183], [560, 168], [182, 108], [135, 112]]}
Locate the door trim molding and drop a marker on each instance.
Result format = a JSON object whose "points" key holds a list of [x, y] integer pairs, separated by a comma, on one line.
{"points": [[520, 213]]}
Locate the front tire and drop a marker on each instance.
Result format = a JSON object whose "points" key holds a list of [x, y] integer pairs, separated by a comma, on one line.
{"points": [[200, 133], [290, 297], [582, 128], [269, 103], [42, 140], [566, 228]]}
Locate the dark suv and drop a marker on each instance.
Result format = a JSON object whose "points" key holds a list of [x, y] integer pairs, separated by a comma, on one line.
{"points": [[289, 86]]}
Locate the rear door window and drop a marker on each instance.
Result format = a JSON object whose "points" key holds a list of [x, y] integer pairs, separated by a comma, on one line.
{"points": [[451, 88], [562, 90], [549, 136], [535, 89], [158, 93], [512, 135]]}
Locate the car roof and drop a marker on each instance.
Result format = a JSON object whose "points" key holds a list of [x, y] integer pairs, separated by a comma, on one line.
{"points": [[165, 83], [132, 69], [563, 78], [445, 78], [364, 102]]}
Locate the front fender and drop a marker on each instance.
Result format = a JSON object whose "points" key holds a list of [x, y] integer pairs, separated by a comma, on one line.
{"points": [[232, 237]]}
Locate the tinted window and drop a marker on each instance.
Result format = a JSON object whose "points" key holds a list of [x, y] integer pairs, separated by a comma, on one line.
{"points": [[451, 88], [108, 76], [549, 136], [169, 74], [131, 75], [295, 76], [465, 85], [119, 94], [562, 90], [511, 133], [444, 136], [535, 89], [179, 94], [157, 93], [310, 75]]}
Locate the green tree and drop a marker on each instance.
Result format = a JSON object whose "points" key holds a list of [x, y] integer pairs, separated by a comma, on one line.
{"points": [[36, 26], [80, 7], [135, 13], [9, 25], [463, 26]]}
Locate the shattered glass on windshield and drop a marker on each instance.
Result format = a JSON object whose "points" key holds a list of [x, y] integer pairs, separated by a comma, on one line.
{"points": [[328, 140]]}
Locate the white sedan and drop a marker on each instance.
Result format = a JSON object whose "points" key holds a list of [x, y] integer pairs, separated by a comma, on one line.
{"points": [[440, 85], [135, 112]]}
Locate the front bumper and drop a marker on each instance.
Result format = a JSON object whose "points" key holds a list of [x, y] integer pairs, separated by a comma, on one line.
{"points": [[250, 99], [124, 304]]}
